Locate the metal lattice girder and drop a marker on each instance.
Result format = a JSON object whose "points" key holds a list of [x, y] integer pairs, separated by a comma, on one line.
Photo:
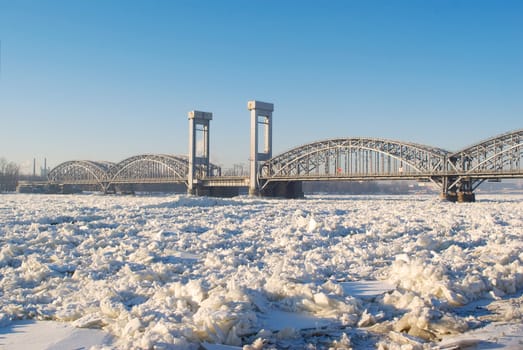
{"points": [[500, 154], [355, 157], [150, 168], [80, 172], [147, 168]]}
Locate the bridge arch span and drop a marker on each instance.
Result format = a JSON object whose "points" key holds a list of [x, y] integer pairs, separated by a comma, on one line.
{"points": [[502, 155], [81, 172], [150, 168], [354, 158], [155, 168]]}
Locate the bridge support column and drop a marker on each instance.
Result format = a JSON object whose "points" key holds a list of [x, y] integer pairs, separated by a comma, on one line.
{"points": [[465, 192], [459, 190], [449, 196], [261, 114], [199, 161], [446, 193]]}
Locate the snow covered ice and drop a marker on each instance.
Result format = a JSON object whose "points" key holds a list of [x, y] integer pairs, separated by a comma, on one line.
{"points": [[178, 272]]}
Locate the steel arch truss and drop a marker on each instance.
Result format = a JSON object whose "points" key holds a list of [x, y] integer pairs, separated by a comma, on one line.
{"points": [[81, 172], [353, 159], [150, 168], [146, 168], [500, 155], [495, 158]]}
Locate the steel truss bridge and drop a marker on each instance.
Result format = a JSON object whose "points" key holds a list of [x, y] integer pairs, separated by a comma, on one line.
{"points": [[457, 174], [140, 169]]}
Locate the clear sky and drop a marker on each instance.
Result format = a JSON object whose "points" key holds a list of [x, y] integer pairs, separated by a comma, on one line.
{"points": [[109, 79]]}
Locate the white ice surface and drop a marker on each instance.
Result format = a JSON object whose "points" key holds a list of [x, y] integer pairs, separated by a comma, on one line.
{"points": [[366, 290], [209, 346], [49, 335], [176, 272], [277, 320], [492, 336]]}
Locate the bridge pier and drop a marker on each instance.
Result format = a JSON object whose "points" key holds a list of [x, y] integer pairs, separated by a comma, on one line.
{"points": [[458, 190], [450, 196], [465, 191], [460, 197], [466, 197]]}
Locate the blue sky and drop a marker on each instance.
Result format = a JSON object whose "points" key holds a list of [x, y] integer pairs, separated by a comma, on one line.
{"points": [[109, 79]]}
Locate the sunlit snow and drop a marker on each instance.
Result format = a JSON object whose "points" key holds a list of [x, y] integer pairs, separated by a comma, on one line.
{"points": [[180, 272]]}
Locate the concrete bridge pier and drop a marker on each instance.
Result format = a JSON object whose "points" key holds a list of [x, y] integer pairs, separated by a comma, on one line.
{"points": [[466, 197], [466, 191], [458, 190], [450, 196], [460, 197]]}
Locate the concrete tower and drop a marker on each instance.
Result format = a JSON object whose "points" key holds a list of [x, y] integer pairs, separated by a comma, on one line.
{"points": [[198, 161], [261, 116]]}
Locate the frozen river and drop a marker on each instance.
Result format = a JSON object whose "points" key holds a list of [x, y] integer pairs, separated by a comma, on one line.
{"points": [[179, 272]]}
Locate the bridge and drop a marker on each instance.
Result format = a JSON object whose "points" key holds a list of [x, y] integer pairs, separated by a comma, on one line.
{"points": [[456, 174], [140, 169]]}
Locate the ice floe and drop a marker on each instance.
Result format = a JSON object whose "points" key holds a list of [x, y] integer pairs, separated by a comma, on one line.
{"points": [[180, 272]]}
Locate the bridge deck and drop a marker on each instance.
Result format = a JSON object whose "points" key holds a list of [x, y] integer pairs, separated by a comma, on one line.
{"points": [[397, 176]]}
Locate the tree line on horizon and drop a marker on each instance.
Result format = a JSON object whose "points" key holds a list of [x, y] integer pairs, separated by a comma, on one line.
{"points": [[9, 175]]}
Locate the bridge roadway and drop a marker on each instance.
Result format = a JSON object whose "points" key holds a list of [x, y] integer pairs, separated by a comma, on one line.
{"points": [[352, 159]]}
